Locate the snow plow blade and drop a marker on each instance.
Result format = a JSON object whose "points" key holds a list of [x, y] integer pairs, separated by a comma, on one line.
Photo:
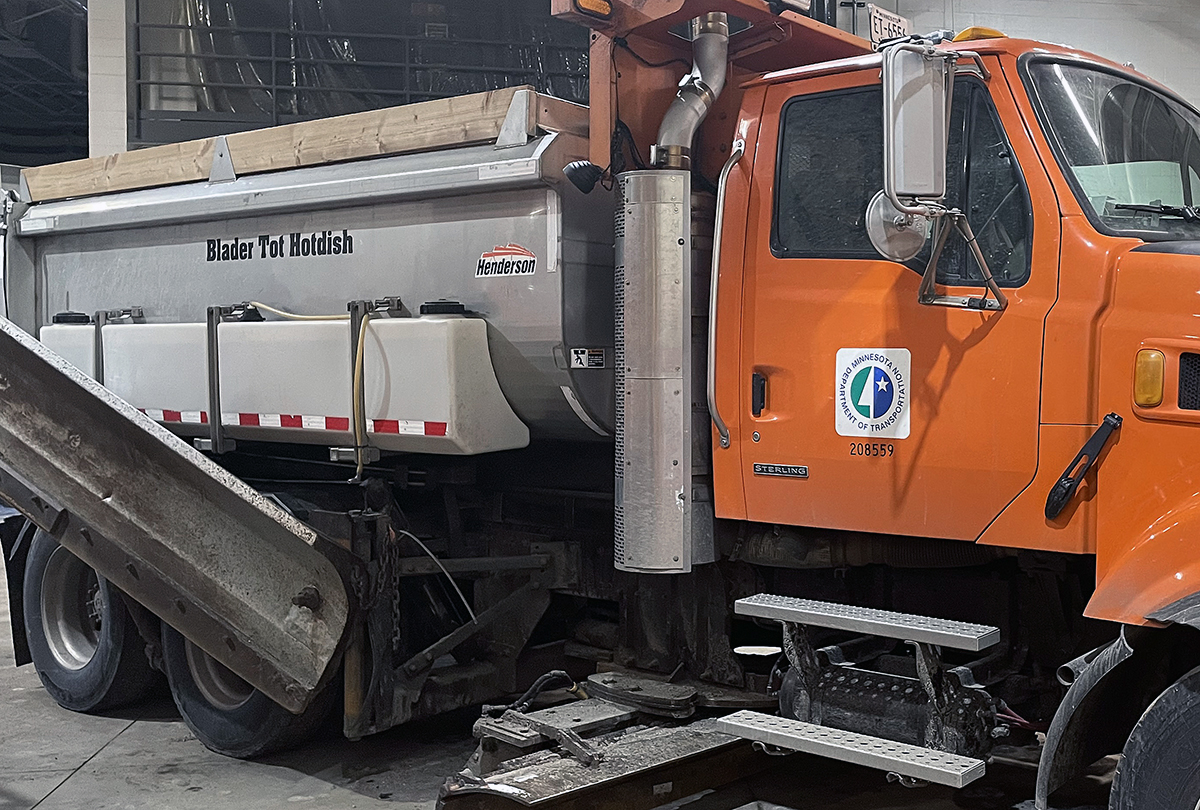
{"points": [[214, 559]]}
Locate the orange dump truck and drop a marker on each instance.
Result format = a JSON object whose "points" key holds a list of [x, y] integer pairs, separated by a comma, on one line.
{"points": [[893, 348]]}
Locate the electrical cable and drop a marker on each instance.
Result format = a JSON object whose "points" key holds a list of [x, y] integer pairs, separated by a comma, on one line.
{"points": [[623, 44], [438, 563], [555, 679], [621, 135]]}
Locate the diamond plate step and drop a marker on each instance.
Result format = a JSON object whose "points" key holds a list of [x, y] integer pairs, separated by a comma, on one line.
{"points": [[937, 767], [904, 626]]}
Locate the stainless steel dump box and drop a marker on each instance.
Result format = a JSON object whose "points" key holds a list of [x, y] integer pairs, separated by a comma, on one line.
{"points": [[491, 226]]}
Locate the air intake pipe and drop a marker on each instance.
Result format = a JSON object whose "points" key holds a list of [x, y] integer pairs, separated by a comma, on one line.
{"points": [[697, 92]]}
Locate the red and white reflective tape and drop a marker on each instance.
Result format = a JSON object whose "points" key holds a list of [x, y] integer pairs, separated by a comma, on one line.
{"points": [[339, 424], [184, 417]]}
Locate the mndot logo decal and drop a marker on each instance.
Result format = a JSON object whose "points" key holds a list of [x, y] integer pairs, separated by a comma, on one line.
{"points": [[872, 392]]}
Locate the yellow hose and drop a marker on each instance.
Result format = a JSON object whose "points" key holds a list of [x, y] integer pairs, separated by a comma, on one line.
{"points": [[360, 429], [292, 316]]}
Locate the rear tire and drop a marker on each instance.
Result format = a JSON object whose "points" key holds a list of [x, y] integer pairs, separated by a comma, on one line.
{"points": [[85, 645], [1160, 769], [227, 714]]}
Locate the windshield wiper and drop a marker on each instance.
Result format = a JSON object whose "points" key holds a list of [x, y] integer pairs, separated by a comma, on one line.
{"points": [[1187, 213]]}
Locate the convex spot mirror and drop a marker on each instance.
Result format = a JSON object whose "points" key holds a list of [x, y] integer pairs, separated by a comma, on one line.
{"points": [[897, 236]]}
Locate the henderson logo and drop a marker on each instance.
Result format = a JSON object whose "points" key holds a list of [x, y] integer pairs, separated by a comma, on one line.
{"points": [[507, 260]]}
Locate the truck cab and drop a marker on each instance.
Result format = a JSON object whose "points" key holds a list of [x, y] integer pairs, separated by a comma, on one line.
{"points": [[954, 421]]}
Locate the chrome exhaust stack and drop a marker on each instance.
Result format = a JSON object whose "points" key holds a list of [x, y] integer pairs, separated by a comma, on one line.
{"points": [[698, 91], [663, 443]]}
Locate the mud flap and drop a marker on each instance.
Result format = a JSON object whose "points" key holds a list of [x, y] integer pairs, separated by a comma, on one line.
{"points": [[197, 546], [14, 544], [1101, 708]]}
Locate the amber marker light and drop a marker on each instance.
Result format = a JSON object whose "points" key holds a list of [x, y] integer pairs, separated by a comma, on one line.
{"points": [[1148, 378], [595, 8], [979, 32]]}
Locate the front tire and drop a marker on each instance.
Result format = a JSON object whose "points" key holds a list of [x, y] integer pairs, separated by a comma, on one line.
{"points": [[1160, 769], [227, 714], [84, 643]]}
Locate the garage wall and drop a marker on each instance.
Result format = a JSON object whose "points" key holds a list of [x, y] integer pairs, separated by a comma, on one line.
{"points": [[1158, 37], [108, 87]]}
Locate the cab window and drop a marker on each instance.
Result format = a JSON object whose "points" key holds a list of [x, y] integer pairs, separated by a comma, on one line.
{"points": [[831, 165]]}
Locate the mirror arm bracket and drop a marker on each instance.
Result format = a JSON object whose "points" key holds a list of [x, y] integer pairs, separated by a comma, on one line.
{"points": [[984, 73], [935, 209], [927, 294]]}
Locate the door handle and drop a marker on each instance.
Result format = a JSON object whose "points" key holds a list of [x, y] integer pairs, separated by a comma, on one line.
{"points": [[758, 394]]}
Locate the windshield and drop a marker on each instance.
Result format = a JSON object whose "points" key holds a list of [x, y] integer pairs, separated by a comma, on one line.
{"points": [[1126, 144]]}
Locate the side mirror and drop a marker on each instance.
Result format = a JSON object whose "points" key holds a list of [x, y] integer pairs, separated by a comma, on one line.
{"points": [[918, 90], [918, 87]]}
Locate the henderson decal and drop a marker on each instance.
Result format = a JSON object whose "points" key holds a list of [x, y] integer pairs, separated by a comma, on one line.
{"points": [[507, 260], [286, 246]]}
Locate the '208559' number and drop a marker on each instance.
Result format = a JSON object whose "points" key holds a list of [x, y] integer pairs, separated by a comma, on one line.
{"points": [[871, 449]]}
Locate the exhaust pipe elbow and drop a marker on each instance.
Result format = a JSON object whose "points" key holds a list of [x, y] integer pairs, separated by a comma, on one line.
{"points": [[698, 92], [1069, 672]]}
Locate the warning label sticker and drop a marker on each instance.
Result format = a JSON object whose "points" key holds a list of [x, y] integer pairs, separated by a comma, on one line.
{"points": [[588, 358]]}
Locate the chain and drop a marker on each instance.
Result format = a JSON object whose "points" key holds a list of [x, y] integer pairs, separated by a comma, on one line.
{"points": [[394, 556]]}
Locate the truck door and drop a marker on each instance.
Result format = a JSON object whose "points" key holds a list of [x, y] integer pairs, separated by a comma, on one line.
{"points": [[865, 410]]}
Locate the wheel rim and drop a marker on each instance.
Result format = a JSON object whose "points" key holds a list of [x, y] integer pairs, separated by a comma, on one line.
{"points": [[216, 682], [72, 609]]}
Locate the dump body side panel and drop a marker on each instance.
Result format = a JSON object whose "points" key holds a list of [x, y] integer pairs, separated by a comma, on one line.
{"points": [[493, 229]]}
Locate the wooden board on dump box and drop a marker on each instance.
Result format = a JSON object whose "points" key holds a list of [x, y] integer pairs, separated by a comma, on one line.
{"points": [[425, 126]]}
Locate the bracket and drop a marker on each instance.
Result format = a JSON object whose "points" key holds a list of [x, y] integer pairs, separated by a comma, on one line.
{"points": [[222, 166], [102, 319], [521, 121], [216, 441]]}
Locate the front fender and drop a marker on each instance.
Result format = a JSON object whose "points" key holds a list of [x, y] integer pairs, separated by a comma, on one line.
{"points": [[1106, 700], [1157, 577]]}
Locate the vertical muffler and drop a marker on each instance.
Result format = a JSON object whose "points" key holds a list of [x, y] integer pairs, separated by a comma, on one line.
{"points": [[664, 509]]}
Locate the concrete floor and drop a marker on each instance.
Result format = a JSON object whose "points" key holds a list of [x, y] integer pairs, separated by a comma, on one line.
{"points": [[145, 757]]}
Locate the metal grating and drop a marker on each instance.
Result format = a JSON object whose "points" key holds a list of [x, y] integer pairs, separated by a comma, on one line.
{"points": [[885, 623], [938, 767], [240, 64], [1189, 381]]}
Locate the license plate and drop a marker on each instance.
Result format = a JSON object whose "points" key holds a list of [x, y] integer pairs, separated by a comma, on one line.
{"points": [[886, 25]]}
